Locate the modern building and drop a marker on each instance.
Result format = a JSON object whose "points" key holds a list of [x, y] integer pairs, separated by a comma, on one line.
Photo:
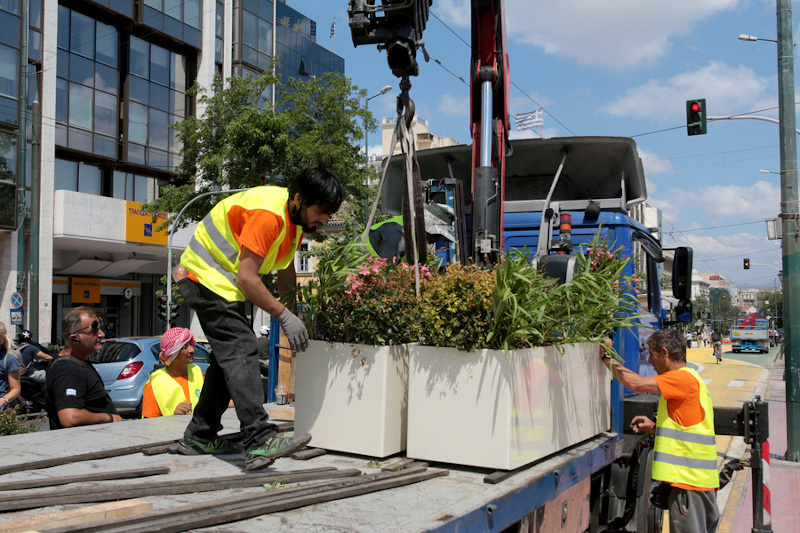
{"points": [[109, 78]]}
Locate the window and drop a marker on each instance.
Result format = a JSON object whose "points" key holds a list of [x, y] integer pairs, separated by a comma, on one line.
{"points": [[303, 260], [8, 179], [135, 188], [87, 105], [9, 71], [157, 99]]}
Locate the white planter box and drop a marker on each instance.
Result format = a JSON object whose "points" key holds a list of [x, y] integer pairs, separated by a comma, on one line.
{"points": [[483, 409], [353, 398]]}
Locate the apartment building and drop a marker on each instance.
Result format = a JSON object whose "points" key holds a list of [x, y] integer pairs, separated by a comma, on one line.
{"points": [[109, 77]]}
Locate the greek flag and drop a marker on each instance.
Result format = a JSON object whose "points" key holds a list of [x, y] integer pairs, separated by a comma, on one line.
{"points": [[333, 27], [526, 121]]}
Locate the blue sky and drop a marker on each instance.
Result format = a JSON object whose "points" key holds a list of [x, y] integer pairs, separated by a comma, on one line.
{"points": [[623, 68]]}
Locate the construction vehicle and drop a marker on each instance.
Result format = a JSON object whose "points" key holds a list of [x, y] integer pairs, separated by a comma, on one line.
{"points": [[750, 334]]}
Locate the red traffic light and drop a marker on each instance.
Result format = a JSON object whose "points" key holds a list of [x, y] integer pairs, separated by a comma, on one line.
{"points": [[695, 106]]}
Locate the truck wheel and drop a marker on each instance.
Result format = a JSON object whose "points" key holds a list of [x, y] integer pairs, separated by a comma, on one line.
{"points": [[648, 518]]}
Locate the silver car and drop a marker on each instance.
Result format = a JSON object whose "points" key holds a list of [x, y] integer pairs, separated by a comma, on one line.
{"points": [[125, 365]]}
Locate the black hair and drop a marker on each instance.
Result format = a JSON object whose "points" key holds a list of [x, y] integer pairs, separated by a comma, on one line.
{"points": [[317, 186]]}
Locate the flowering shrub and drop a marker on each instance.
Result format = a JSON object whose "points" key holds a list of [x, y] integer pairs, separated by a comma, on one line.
{"points": [[511, 306]]}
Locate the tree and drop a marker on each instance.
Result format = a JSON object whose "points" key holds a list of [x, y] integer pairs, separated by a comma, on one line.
{"points": [[240, 141]]}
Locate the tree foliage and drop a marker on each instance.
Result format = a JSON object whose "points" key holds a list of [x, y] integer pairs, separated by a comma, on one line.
{"points": [[238, 140]]}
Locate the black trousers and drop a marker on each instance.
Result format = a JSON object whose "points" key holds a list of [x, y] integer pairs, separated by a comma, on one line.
{"points": [[234, 371]]}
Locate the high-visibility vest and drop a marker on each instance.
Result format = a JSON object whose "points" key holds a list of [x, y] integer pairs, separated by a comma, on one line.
{"points": [[169, 393], [686, 455], [394, 220], [213, 255]]}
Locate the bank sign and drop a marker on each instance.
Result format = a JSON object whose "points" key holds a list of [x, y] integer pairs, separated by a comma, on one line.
{"points": [[140, 227]]}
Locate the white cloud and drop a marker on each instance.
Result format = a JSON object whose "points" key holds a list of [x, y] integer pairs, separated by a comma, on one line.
{"points": [[727, 90], [761, 200], [653, 163], [452, 106], [618, 35]]}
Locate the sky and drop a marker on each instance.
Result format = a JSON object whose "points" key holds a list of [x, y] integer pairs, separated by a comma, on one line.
{"points": [[621, 68]]}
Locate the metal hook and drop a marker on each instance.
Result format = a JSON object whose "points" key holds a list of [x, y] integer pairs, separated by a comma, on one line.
{"points": [[405, 105]]}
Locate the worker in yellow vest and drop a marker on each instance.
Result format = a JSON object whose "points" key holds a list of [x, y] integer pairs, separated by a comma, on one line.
{"points": [[175, 388], [385, 239], [245, 236], [685, 450]]}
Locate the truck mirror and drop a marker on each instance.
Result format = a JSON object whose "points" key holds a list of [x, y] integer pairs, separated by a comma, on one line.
{"points": [[683, 311], [682, 274]]}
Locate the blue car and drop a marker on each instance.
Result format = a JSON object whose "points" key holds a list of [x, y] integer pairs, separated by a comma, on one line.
{"points": [[125, 365]]}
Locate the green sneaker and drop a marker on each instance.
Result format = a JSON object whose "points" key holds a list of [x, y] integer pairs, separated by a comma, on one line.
{"points": [[280, 445], [218, 446]]}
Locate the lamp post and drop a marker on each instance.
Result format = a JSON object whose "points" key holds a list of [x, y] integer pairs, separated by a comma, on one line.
{"points": [[385, 90], [789, 215]]}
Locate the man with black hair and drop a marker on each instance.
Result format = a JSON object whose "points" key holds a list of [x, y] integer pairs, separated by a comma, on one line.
{"points": [[246, 235], [34, 357]]}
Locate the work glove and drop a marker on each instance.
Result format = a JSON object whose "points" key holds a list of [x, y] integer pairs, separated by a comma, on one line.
{"points": [[294, 329]]}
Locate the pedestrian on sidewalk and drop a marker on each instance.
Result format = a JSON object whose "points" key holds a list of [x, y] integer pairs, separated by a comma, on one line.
{"points": [[685, 450], [244, 236]]}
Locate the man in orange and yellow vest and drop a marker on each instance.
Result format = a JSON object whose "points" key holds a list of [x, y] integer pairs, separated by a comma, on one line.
{"points": [[246, 235], [175, 388], [685, 450]]}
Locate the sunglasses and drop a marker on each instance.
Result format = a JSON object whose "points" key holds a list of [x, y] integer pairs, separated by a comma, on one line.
{"points": [[96, 325]]}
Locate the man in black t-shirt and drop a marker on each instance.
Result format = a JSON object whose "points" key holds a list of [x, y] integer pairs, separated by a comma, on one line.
{"points": [[75, 392]]}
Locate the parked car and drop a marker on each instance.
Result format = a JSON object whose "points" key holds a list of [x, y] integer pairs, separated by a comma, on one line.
{"points": [[125, 365]]}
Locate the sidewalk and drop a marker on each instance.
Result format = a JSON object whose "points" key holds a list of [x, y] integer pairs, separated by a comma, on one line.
{"points": [[783, 476]]}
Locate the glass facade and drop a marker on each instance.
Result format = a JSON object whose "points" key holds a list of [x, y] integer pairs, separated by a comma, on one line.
{"points": [[156, 99], [9, 60], [299, 54], [180, 19], [8, 180], [87, 106]]}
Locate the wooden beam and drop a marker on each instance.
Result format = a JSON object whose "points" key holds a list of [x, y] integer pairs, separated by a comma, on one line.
{"points": [[93, 494], [98, 476], [73, 517]]}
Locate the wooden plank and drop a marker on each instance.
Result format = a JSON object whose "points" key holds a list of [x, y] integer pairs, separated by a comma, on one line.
{"points": [[397, 464], [93, 494], [204, 519], [285, 413], [308, 453], [56, 461], [285, 365], [95, 513], [98, 476]]}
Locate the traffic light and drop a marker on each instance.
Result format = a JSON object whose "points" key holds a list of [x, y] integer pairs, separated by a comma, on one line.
{"points": [[162, 309], [173, 312], [696, 117], [746, 264]]}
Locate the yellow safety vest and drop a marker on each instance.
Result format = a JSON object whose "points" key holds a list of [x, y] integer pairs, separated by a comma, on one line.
{"points": [[397, 220], [686, 455], [213, 255], [169, 393]]}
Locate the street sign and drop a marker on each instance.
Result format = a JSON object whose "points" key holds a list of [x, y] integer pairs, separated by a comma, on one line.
{"points": [[16, 300], [16, 317]]}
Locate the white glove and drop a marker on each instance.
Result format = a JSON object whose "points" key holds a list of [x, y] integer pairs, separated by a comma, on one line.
{"points": [[294, 329]]}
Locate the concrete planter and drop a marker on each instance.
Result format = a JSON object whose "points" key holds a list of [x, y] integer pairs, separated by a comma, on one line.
{"points": [[353, 398], [487, 410]]}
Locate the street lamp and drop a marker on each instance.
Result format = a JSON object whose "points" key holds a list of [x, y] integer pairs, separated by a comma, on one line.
{"points": [[789, 215], [745, 37], [385, 90]]}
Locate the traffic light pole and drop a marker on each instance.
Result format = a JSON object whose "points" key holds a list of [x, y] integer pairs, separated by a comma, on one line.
{"points": [[789, 219]]}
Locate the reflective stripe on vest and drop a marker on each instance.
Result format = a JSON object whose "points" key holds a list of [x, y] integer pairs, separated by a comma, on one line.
{"points": [[396, 220], [213, 255], [169, 393], [686, 455]]}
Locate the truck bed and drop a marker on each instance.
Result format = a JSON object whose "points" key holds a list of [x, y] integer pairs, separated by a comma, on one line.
{"points": [[460, 500]]}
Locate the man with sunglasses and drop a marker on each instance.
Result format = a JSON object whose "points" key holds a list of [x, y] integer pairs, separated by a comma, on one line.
{"points": [[75, 394]]}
